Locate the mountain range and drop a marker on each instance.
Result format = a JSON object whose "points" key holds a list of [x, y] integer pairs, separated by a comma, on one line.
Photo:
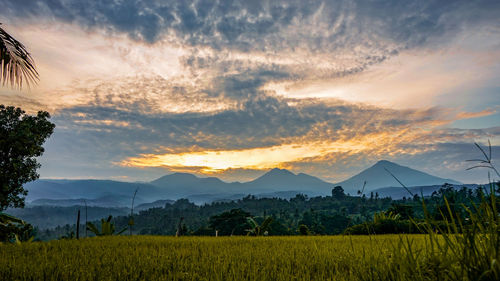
{"points": [[378, 176], [275, 183]]}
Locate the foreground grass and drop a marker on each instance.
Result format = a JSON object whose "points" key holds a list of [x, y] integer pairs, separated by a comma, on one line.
{"points": [[380, 257], [202, 258]]}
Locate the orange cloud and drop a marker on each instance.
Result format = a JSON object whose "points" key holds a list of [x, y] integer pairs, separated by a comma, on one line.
{"points": [[467, 115], [212, 161]]}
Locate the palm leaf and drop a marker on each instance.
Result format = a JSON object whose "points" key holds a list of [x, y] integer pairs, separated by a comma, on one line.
{"points": [[105, 228], [6, 219], [253, 224], [266, 223], [16, 64], [93, 228]]}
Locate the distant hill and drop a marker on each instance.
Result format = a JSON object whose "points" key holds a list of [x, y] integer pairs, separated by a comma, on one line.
{"points": [[276, 180], [155, 204], [279, 180], [180, 185], [107, 193], [275, 183], [397, 193], [105, 201], [377, 177], [115, 192], [45, 217]]}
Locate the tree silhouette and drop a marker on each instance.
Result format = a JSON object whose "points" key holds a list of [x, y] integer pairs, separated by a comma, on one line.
{"points": [[338, 192], [21, 139], [16, 64]]}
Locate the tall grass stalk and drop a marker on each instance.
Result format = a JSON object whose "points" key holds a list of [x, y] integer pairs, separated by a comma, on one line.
{"points": [[458, 249]]}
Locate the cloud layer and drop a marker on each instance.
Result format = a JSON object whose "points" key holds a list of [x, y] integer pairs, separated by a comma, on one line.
{"points": [[231, 88]]}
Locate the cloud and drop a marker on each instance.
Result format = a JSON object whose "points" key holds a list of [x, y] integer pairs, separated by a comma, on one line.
{"points": [[259, 133], [242, 24], [305, 80], [76, 65], [255, 122], [360, 32], [467, 115]]}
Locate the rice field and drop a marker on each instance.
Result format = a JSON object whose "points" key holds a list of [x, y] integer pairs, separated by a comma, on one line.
{"points": [[209, 258], [377, 257]]}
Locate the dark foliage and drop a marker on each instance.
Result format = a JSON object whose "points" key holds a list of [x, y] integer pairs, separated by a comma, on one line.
{"points": [[320, 215], [233, 222], [21, 139], [12, 227], [338, 192]]}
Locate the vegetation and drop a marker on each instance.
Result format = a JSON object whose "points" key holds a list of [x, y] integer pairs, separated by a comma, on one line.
{"points": [[199, 258], [16, 64], [258, 230], [321, 215], [461, 228], [14, 229], [107, 228], [453, 249], [20, 144], [56, 218]]}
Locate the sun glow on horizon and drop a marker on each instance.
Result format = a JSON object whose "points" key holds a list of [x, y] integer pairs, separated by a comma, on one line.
{"points": [[212, 161], [256, 158]]}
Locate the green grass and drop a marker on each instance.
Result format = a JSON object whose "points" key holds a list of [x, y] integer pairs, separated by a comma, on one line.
{"points": [[200, 258], [464, 250]]}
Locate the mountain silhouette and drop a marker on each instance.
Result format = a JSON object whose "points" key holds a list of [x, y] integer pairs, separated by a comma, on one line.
{"points": [[377, 176], [277, 180], [183, 184], [275, 183]]}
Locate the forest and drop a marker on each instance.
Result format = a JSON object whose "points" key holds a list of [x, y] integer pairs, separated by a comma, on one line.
{"points": [[322, 215]]}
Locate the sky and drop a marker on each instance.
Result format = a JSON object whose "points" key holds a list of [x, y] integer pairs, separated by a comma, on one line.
{"points": [[139, 89]]}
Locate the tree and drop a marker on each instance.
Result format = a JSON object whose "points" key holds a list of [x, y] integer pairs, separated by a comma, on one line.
{"points": [[258, 230], [303, 229], [404, 211], [21, 139], [233, 222], [16, 64], [338, 192], [107, 228]]}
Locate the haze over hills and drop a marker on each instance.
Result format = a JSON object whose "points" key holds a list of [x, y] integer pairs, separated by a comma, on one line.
{"points": [[278, 180], [115, 192], [183, 184], [275, 183], [399, 192], [377, 177]]}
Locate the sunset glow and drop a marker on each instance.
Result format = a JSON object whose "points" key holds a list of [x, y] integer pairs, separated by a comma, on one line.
{"points": [[322, 87], [263, 158]]}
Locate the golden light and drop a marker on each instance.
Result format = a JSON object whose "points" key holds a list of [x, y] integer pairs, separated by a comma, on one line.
{"points": [[211, 161]]}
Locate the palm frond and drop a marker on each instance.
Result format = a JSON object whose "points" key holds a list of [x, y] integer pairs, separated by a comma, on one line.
{"points": [[252, 222], [8, 219], [16, 64], [93, 228], [266, 223]]}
